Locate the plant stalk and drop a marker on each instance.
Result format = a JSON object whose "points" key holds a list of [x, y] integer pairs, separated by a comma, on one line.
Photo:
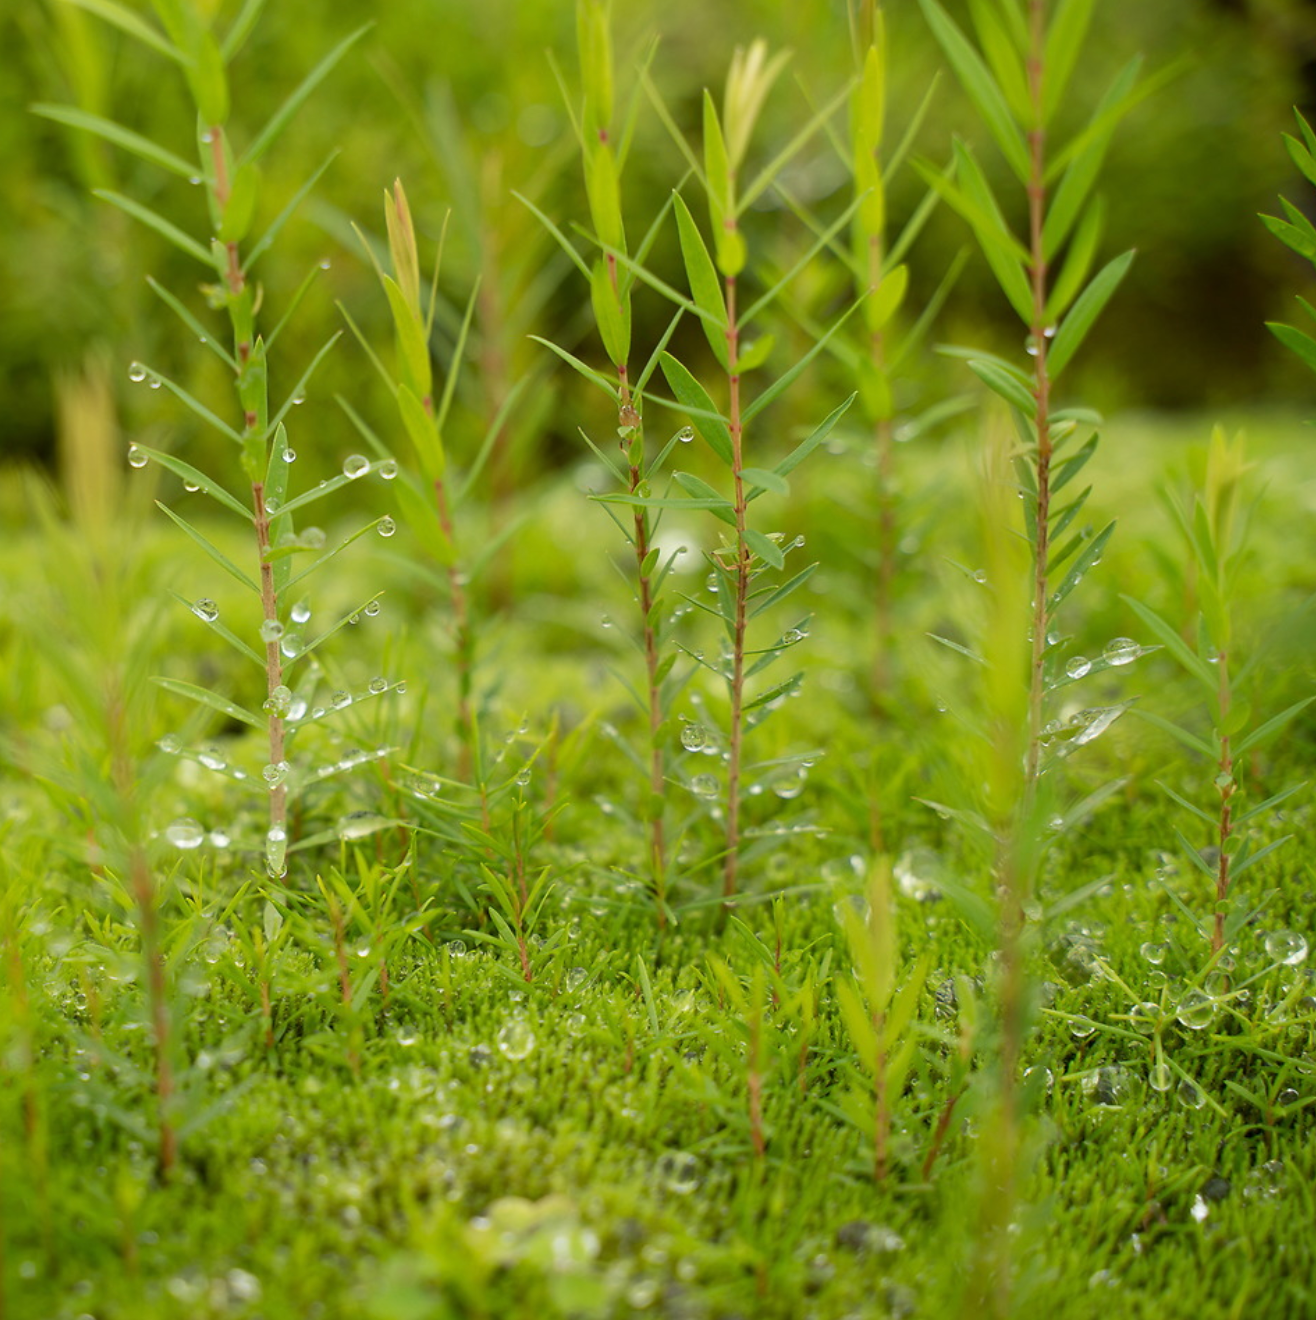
{"points": [[1225, 783], [732, 861]]}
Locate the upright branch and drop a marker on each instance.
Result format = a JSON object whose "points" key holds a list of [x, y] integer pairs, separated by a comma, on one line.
{"points": [[1039, 335]]}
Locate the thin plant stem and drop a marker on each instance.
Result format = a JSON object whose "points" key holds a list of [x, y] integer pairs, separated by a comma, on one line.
{"points": [[629, 421], [732, 860], [1039, 339], [269, 601], [1225, 782]]}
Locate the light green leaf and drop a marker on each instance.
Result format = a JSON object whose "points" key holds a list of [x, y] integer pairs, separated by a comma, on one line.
{"points": [[213, 551], [983, 91], [766, 481], [1064, 40], [1090, 304], [170, 232], [1000, 382], [767, 550], [204, 697], [118, 135], [195, 477], [126, 21], [1175, 644], [270, 133], [1271, 726], [693, 397], [705, 287]]}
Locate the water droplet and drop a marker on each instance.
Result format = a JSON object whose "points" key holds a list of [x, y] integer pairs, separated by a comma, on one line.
{"points": [[1082, 1027], [361, 824], [378, 685], [456, 948], [136, 457], [279, 701], [298, 399], [1190, 1094], [185, 833], [388, 469], [276, 852], [313, 538], [290, 645], [516, 1040], [793, 635], [686, 434], [355, 465], [300, 612], [1200, 1209], [1286, 948], [289, 455], [340, 699], [273, 504], [1154, 953], [191, 487], [399, 688], [271, 630], [979, 575], [705, 786], [275, 775], [371, 610], [1121, 651], [1030, 346], [153, 383], [1160, 1077], [407, 1035], [694, 737], [219, 839], [136, 372], [325, 264], [1196, 1010], [1078, 666], [297, 711], [386, 526], [170, 743], [678, 1172], [212, 758]]}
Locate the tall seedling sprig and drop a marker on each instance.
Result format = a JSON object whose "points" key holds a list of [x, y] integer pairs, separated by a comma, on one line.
{"points": [[231, 181], [738, 567]]}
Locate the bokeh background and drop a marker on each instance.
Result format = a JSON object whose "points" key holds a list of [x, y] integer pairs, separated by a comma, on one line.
{"points": [[461, 99]]}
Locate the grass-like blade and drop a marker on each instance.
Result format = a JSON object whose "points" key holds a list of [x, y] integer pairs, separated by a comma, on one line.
{"points": [[1206, 817], [1004, 385], [134, 26], [1297, 341], [567, 246], [268, 135], [987, 97], [1269, 804], [705, 287], [786, 589], [788, 378], [194, 477], [1089, 305], [1081, 565], [195, 405], [179, 308], [766, 549], [298, 392], [205, 697], [170, 232], [268, 237], [1064, 40], [209, 547], [242, 27], [584, 369], [1246, 863], [1271, 726], [1175, 644], [333, 484], [763, 180], [696, 401], [116, 134], [811, 442]]}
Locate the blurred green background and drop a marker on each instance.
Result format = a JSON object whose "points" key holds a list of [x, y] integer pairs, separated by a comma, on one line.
{"points": [[461, 100]]}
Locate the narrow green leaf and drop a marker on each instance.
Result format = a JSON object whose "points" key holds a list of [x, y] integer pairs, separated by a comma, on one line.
{"points": [[266, 240], [1004, 55], [194, 477], [128, 22], [1064, 41], [1175, 644], [1212, 821], [766, 481], [204, 697], [693, 397], [1271, 726], [116, 134], [594, 377], [1074, 328], [1081, 566], [170, 232], [1291, 236], [242, 28], [700, 489], [1180, 735], [981, 87], [1078, 262], [214, 552], [180, 310], [999, 382], [817, 437], [786, 589], [767, 550], [788, 378], [1296, 340], [270, 133], [1243, 864], [705, 287], [1269, 804]]}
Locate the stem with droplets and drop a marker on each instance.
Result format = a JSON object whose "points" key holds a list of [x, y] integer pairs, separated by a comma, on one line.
{"points": [[742, 578]]}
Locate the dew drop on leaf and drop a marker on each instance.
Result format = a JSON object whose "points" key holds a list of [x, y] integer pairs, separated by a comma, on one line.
{"points": [[355, 465]]}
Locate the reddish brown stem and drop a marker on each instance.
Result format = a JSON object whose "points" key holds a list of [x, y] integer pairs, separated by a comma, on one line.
{"points": [[1225, 783], [742, 576], [269, 602]]}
